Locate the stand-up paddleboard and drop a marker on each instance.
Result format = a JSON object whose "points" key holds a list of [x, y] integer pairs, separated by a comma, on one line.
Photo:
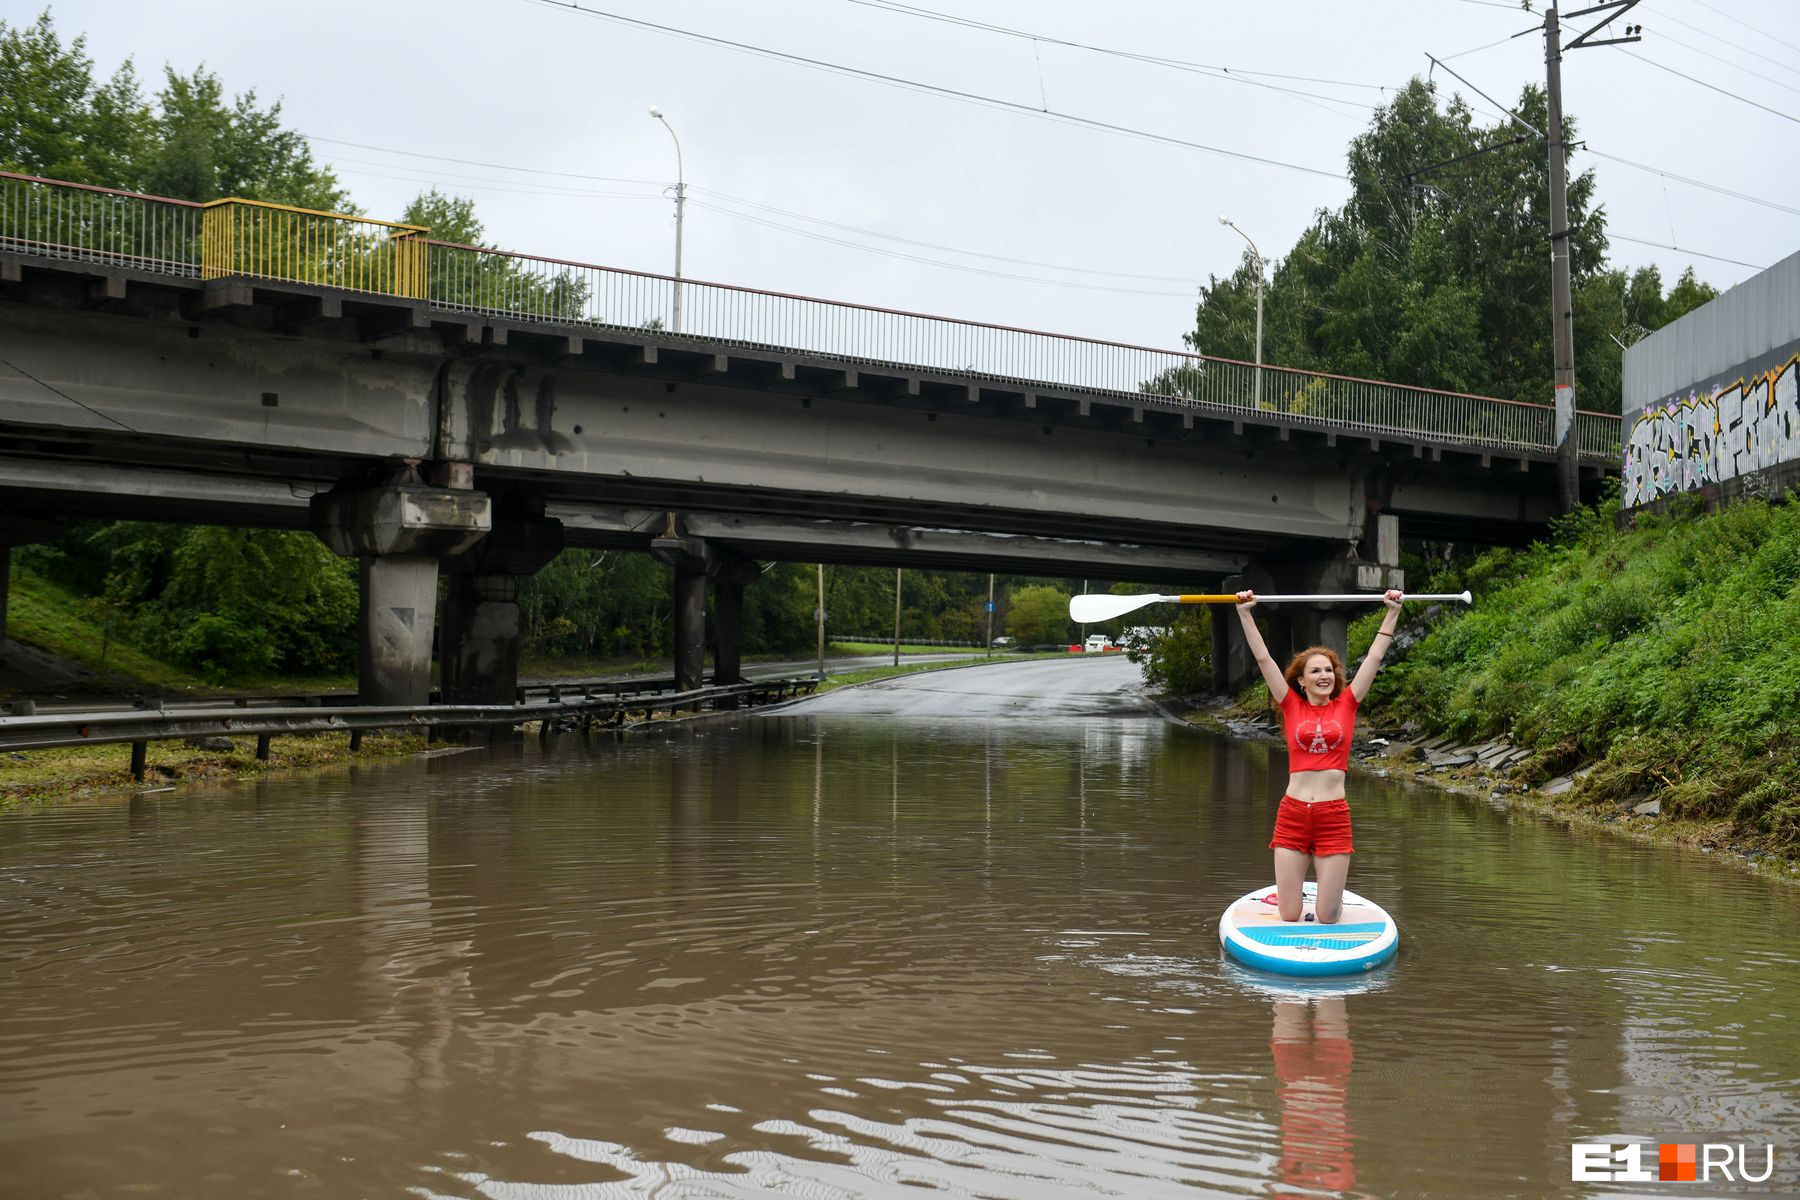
{"points": [[1253, 932]]}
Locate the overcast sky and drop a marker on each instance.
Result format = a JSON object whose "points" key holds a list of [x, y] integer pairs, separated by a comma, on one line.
{"points": [[802, 179]]}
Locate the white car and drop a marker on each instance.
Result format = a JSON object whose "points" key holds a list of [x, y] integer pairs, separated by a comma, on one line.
{"points": [[1097, 642]]}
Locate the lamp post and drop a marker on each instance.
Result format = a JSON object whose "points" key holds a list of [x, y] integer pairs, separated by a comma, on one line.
{"points": [[1256, 254], [680, 204]]}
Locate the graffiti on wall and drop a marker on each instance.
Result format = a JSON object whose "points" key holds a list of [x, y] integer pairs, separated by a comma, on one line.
{"points": [[1711, 435]]}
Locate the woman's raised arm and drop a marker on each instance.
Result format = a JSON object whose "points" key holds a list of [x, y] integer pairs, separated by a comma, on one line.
{"points": [[1365, 674], [1259, 650]]}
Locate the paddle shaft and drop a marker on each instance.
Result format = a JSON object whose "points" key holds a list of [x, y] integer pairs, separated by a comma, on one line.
{"points": [[1348, 598], [1102, 606]]}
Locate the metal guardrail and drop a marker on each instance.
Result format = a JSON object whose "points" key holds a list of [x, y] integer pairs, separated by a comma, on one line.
{"points": [[600, 686], [241, 237], [142, 726]]}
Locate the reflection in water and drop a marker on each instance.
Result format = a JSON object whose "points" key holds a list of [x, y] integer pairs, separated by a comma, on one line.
{"points": [[1311, 1046], [843, 957]]}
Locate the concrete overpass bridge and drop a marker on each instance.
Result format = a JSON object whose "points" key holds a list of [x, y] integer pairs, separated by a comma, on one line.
{"points": [[427, 406]]}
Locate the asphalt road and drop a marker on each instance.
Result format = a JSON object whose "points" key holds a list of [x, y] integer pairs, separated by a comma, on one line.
{"points": [[1078, 686]]}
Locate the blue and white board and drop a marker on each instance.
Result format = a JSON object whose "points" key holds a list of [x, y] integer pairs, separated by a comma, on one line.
{"points": [[1253, 932]]}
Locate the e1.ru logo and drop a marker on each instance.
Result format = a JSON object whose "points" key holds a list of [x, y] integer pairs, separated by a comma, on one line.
{"points": [[1676, 1162]]}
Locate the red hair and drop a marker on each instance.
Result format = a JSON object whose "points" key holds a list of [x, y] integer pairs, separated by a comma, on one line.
{"points": [[1292, 674]]}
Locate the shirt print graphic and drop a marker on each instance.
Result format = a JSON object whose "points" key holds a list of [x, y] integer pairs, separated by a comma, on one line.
{"points": [[1317, 735]]}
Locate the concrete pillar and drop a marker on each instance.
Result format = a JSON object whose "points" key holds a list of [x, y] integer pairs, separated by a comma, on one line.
{"points": [[1318, 627], [690, 628], [730, 576], [479, 655], [695, 563], [1228, 653], [6, 557], [1233, 668], [1278, 632], [686, 556], [478, 660], [398, 531], [395, 620], [728, 633]]}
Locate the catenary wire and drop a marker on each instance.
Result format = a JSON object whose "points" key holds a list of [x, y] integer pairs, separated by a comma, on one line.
{"points": [[570, 6], [1208, 70], [1724, 41], [889, 237], [1746, 25], [1693, 49], [1712, 87], [1738, 262], [932, 262]]}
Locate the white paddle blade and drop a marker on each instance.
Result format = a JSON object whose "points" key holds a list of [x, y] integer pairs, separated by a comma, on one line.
{"points": [[1100, 606]]}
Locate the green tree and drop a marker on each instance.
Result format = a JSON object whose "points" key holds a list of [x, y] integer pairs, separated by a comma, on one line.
{"points": [[232, 603], [1038, 614], [1179, 661], [1434, 272], [57, 121], [204, 149], [465, 278]]}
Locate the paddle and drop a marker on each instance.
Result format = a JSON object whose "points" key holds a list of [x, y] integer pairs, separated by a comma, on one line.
{"points": [[1100, 606]]}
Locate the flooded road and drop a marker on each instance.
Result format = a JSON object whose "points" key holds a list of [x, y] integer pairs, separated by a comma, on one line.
{"points": [[956, 932]]}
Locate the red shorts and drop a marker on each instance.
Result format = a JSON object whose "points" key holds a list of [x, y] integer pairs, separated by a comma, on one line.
{"points": [[1319, 828]]}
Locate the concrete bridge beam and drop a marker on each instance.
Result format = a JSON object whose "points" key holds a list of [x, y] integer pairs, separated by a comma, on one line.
{"points": [[398, 532]]}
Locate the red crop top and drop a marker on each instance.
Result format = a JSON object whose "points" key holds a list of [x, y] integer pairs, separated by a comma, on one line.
{"points": [[1318, 735]]}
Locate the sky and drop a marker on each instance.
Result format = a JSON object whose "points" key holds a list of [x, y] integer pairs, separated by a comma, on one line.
{"points": [[1048, 165]]}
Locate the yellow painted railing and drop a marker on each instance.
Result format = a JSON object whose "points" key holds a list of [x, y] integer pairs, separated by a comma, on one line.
{"points": [[276, 241]]}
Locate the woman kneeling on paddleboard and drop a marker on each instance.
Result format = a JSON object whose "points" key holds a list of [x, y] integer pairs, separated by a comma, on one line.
{"points": [[1318, 716]]}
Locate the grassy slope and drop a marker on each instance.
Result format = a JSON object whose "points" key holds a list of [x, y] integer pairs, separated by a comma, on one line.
{"points": [[43, 615], [1666, 658]]}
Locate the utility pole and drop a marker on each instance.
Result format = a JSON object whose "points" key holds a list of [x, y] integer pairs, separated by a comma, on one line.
{"points": [[821, 620], [1568, 442], [990, 616], [1562, 303], [897, 571], [680, 206]]}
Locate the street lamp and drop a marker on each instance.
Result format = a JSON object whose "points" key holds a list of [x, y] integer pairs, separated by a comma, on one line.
{"points": [[680, 203], [1257, 254]]}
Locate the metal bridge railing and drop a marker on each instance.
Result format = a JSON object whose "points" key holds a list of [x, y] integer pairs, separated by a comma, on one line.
{"points": [[48, 219], [249, 238], [277, 241]]}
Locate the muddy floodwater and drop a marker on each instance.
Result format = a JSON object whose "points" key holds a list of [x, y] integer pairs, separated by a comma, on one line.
{"points": [[956, 933]]}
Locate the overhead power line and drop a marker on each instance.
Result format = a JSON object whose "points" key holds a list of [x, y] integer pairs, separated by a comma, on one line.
{"points": [[1723, 41], [1752, 28], [1737, 262], [1690, 181], [1210, 70], [933, 262], [523, 187], [1720, 58], [1699, 183], [935, 89], [1713, 87], [888, 237], [470, 162]]}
